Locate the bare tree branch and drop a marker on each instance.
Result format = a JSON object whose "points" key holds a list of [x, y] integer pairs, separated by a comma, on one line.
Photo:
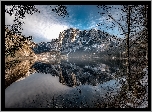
{"points": [[117, 23]]}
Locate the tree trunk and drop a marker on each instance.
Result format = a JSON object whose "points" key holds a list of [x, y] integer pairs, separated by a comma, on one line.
{"points": [[128, 58], [146, 24]]}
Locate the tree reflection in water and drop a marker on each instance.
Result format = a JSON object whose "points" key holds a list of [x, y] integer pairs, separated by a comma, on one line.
{"points": [[17, 69]]}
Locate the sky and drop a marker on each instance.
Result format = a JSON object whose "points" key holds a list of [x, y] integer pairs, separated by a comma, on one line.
{"points": [[46, 25]]}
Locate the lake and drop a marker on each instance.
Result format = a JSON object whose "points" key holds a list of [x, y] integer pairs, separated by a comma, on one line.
{"points": [[79, 83]]}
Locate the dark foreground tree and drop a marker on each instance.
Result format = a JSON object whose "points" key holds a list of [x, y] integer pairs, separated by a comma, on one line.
{"points": [[133, 20]]}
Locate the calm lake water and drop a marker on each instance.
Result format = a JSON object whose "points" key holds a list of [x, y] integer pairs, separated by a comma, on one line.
{"points": [[70, 83]]}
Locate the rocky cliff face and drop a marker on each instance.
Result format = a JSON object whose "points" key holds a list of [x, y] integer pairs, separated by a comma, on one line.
{"points": [[73, 40]]}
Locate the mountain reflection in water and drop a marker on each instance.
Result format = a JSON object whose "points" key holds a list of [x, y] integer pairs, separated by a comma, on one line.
{"points": [[65, 84]]}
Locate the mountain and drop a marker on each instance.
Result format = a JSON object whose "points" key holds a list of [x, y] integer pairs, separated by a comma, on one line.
{"points": [[92, 41], [75, 42]]}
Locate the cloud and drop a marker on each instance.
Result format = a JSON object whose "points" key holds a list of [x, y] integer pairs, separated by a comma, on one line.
{"points": [[48, 29], [42, 26]]}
